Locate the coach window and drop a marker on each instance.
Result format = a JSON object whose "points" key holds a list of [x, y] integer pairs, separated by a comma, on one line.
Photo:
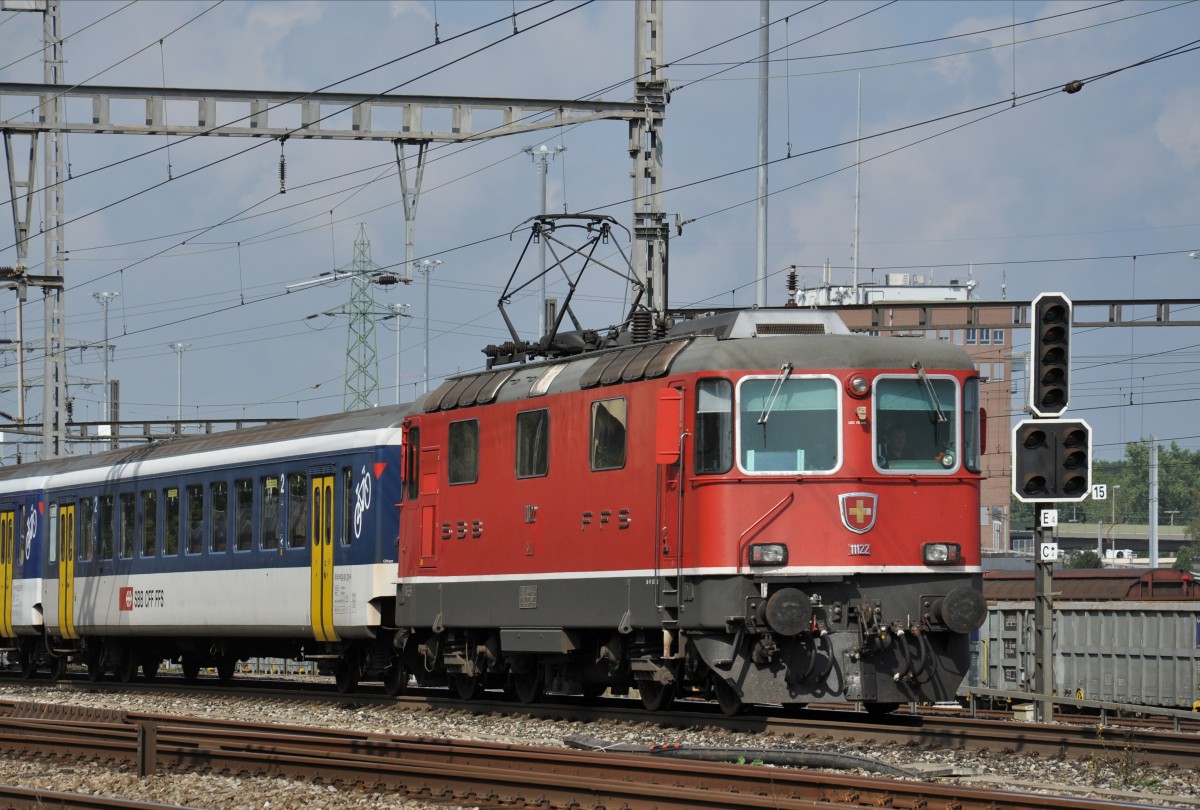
{"points": [[128, 524], [412, 463], [270, 512], [464, 452], [171, 521], [348, 498], [106, 527], [149, 522], [195, 519], [608, 434], [297, 510], [86, 524], [533, 443], [788, 424], [243, 514], [714, 426], [218, 539]]}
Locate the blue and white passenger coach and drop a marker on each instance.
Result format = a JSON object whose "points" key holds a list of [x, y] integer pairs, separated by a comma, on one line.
{"points": [[274, 541]]}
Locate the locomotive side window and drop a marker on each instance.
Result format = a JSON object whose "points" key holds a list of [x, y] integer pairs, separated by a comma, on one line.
{"points": [[106, 527], [916, 424], [243, 514], [533, 443], [714, 426], [171, 521], [195, 519], [149, 522], [464, 452], [297, 510], [270, 512], [788, 424], [87, 528], [218, 540], [412, 463], [608, 434], [128, 524], [971, 448]]}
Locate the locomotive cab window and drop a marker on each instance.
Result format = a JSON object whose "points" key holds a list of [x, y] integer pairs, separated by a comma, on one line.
{"points": [[916, 424], [464, 452], [608, 434], [533, 443], [714, 426], [412, 463], [789, 425], [971, 416]]}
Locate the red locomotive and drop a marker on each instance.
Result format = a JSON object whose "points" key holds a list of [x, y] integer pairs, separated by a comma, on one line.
{"points": [[759, 507]]}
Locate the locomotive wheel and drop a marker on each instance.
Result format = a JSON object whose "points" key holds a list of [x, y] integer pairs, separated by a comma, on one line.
{"points": [[528, 686], [191, 668], [395, 678], [346, 676], [656, 697], [727, 697], [467, 687], [150, 666]]}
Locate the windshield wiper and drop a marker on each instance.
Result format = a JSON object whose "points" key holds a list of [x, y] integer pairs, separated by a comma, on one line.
{"points": [[937, 406], [776, 387]]}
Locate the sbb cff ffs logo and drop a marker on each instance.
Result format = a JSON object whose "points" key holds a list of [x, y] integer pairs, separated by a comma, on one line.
{"points": [[1052, 460]]}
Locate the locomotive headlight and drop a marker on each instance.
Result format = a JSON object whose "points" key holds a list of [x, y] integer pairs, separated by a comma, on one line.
{"points": [[941, 553], [858, 386], [768, 554]]}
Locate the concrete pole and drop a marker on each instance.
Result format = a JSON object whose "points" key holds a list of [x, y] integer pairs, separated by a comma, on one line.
{"points": [[764, 80], [104, 298], [1153, 501], [179, 349], [426, 268]]}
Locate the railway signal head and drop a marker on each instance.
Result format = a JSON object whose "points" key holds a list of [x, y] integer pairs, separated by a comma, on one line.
{"points": [[1050, 354], [1052, 460]]}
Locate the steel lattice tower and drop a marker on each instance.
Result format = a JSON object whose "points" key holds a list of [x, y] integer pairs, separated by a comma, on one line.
{"points": [[362, 361]]}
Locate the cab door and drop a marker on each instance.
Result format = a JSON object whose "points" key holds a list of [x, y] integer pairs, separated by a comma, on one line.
{"points": [[669, 457], [66, 571], [321, 542], [7, 550]]}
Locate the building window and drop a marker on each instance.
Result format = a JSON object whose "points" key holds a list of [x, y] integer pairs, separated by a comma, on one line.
{"points": [[149, 522], [997, 372], [985, 336], [972, 336], [533, 443], [608, 434], [997, 337], [464, 452]]}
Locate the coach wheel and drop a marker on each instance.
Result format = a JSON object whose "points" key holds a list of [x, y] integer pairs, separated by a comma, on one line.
{"points": [[191, 668], [346, 675], [656, 697], [395, 678], [528, 686], [127, 669], [58, 667], [150, 664], [727, 697], [95, 665], [881, 708], [225, 666], [467, 687], [27, 661], [591, 691]]}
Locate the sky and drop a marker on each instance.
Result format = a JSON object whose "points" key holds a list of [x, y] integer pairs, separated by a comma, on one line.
{"points": [[974, 165]]}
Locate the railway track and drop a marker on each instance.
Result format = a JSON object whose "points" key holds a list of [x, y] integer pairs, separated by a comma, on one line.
{"points": [[473, 773]]}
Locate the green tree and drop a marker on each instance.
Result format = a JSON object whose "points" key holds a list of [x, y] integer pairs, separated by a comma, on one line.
{"points": [[1186, 558], [1084, 558]]}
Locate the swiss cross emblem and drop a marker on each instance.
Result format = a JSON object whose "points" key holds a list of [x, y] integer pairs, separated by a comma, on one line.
{"points": [[858, 511]]}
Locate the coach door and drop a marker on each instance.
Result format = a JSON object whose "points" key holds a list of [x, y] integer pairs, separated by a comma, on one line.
{"points": [[321, 539], [7, 549], [66, 571]]}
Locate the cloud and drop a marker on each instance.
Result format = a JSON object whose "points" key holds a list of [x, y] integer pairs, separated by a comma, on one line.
{"points": [[402, 8], [1178, 127]]}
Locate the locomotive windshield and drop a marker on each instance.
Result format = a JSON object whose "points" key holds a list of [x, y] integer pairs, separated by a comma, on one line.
{"points": [[916, 424], [788, 425]]}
